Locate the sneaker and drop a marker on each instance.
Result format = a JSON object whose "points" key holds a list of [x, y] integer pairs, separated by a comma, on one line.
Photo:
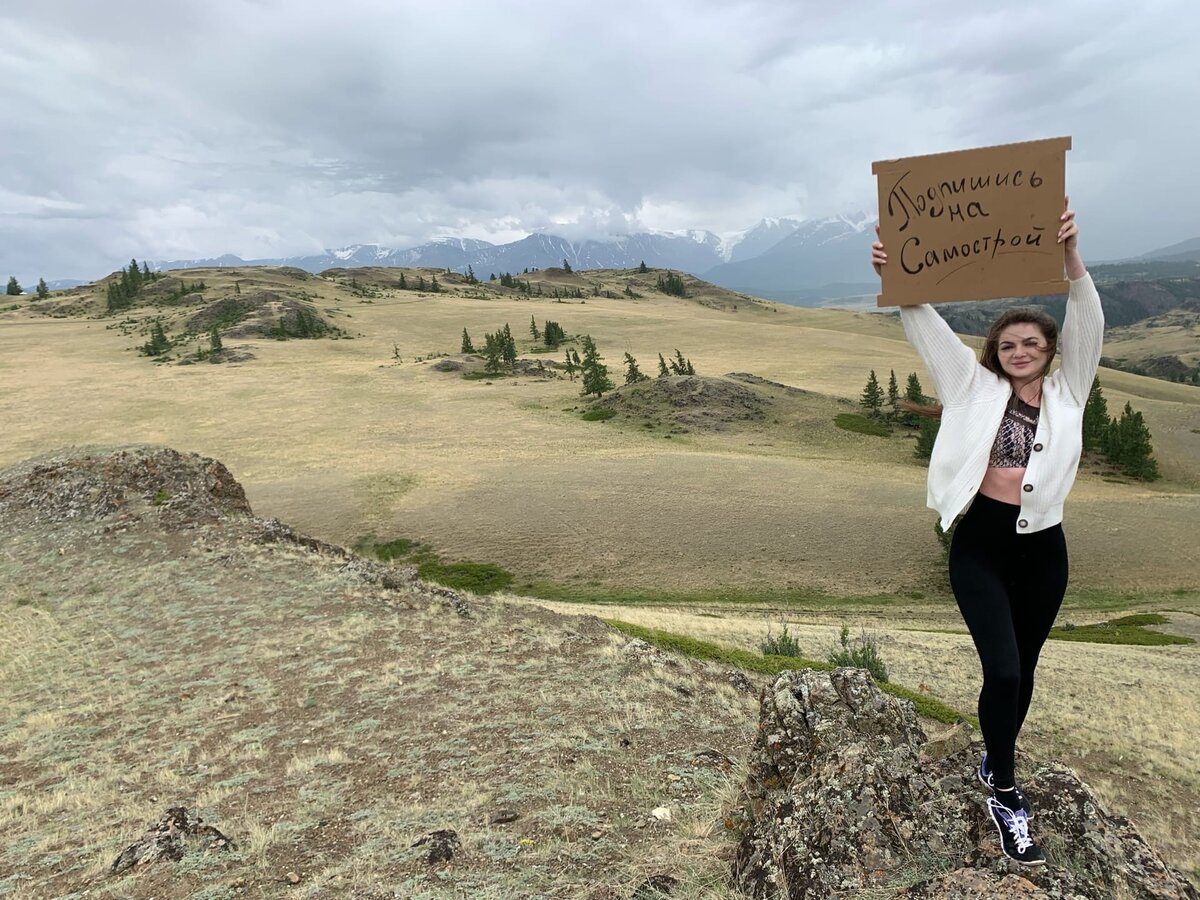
{"points": [[1015, 841], [985, 776]]}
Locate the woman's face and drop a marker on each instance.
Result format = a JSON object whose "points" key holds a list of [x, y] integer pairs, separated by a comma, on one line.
{"points": [[1022, 351]]}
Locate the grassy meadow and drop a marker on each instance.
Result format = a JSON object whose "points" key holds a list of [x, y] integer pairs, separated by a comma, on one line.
{"points": [[714, 531]]}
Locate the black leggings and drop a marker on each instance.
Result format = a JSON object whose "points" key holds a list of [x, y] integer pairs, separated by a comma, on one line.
{"points": [[1009, 587]]}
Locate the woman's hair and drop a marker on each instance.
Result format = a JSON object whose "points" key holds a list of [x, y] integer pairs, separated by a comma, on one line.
{"points": [[990, 357]]}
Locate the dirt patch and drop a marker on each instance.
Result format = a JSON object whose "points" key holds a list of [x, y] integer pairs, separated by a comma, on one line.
{"points": [[686, 402]]}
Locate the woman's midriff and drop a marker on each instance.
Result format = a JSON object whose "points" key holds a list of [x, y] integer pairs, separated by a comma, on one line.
{"points": [[1003, 484]]}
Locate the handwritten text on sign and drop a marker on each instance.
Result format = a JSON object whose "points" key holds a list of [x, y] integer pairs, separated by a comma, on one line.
{"points": [[973, 224]]}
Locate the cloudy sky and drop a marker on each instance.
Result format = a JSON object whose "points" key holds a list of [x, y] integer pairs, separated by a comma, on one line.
{"points": [[263, 128]]}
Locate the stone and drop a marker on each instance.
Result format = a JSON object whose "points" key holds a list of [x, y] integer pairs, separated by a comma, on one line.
{"points": [[841, 798]]}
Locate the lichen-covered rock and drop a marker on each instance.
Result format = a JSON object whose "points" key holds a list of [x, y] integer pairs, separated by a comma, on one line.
{"points": [[176, 489], [171, 838], [840, 799]]}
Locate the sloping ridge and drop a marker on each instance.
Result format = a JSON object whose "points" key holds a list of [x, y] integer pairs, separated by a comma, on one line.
{"points": [[345, 724]]}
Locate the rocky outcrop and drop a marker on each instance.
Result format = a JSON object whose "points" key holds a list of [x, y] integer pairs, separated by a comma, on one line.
{"points": [[841, 799], [175, 489]]}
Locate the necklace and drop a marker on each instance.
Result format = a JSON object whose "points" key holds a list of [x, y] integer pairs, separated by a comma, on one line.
{"points": [[1036, 394]]}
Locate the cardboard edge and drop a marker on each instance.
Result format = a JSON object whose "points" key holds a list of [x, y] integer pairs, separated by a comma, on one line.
{"points": [[1054, 144], [1033, 289]]}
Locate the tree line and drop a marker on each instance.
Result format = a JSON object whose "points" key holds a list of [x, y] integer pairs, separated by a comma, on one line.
{"points": [[1125, 441]]}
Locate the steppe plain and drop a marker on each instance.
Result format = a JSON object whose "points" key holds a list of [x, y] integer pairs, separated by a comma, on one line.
{"points": [[714, 533]]}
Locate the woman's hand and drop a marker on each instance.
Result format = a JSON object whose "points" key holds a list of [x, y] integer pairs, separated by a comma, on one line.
{"points": [[878, 257], [1068, 236]]}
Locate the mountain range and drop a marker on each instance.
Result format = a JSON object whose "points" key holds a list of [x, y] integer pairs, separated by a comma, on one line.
{"points": [[779, 257], [798, 261]]}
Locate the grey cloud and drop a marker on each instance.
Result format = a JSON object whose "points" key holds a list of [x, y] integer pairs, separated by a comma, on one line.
{"points": [[274, 128]]}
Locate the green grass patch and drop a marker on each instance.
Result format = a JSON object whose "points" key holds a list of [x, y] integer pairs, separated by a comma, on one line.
{"points": [[773, 665], [860, 424], [483, 376], [481, 578], [599, 414], [1124, 630]]}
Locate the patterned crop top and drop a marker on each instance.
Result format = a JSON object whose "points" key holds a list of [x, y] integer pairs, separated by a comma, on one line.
{"points": [[1014, 439]]}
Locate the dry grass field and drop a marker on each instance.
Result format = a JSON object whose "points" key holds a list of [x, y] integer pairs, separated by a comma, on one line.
{"points": [[332, 437], [340, 441]]}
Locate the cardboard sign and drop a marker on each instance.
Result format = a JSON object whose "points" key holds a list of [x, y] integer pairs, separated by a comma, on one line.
{"points": [[973, 224]]}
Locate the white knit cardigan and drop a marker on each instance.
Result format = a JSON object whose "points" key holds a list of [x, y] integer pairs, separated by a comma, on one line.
{"points": [[974, 400]]}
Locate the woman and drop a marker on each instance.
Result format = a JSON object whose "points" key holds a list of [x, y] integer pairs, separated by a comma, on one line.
{"points": [[1008, 448]]}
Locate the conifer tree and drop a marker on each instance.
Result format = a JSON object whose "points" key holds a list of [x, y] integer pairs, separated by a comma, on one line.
{"points": [[893, 393], [570, 365], [493, 352], [642, 270], [566, 267], [1131, 449], [43, 292], [595, 373], [14, 287], [403, 283], [663, 372], [671, 284], [420, 282], [1095, 417], [466, 343], [471, 275], [872, 397], [913, 393], [508, 347], [214, 340], [159, 343], [435, 287], [533, 329], [926, 436], [632, 373]]}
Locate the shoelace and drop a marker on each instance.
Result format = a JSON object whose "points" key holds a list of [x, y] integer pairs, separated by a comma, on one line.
{"points": [[1018, 826]]}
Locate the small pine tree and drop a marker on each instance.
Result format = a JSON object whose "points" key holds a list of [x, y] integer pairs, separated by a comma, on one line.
{"points": [[893, 394], [435, 287], [467, 347], [43, 292], [403, 285], [595, 373], [533, 329], [663, 371], [570, 365], [420, 282], [214, 340], [1132, 450], [913, 393], [632, 373], [872, 397], [926, 436], [14, 286], [642, 270], [471, 279], [1095, 418], [493, 352], [508, 347], [671, 284], [567, 267], [159, 343]]}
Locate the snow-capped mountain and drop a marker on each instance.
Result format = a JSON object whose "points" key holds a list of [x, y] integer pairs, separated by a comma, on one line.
{"points": [[758, 240], [833, 253]]}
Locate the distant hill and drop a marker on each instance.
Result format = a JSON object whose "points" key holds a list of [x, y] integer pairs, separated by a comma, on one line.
{"points": [[1183, 251]]}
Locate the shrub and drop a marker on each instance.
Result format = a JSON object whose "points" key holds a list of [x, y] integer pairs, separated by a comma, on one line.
{"points": [[783, 645], [862, 654]]}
